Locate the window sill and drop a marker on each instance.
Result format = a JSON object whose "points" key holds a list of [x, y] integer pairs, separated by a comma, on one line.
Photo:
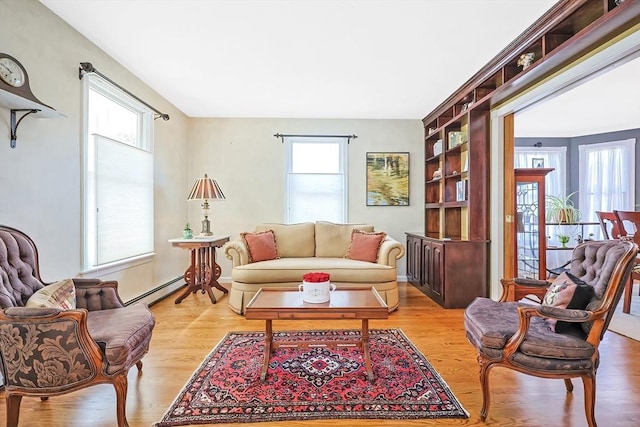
{"points": [[117, 266]]}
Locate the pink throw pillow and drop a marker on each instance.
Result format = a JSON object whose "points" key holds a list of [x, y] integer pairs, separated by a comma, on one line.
{"points": [[261, 246], [567, 291], [365, 246]]}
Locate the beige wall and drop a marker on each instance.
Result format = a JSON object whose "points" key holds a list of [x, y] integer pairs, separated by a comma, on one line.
{"points": [[40, 180], [248, 162]]}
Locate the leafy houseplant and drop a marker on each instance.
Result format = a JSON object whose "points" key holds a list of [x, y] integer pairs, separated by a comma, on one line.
{"points": [[562, 210]]}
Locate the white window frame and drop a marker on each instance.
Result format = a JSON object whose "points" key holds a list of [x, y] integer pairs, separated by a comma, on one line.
{"points": [[144, 145], [343, 162]]}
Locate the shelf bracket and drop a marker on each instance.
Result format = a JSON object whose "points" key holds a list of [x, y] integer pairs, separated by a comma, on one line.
{"points": [[15, 124]]}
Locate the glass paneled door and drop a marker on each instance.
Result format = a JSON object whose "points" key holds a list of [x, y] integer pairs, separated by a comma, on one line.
{"points": [[530, 248]]}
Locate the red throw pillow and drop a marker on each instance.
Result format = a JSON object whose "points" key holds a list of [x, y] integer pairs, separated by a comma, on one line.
{"points": [[364, 245], [261, 246]]}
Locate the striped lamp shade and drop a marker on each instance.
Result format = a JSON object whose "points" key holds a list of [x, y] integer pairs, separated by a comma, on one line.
{"points": [[206, 189]]}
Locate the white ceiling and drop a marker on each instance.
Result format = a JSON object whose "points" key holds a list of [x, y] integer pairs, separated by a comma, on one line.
{"points": [[302, 59], [605, 103]]}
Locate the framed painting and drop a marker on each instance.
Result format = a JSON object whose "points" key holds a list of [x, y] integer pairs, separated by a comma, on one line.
{"points": [[387, 179]]}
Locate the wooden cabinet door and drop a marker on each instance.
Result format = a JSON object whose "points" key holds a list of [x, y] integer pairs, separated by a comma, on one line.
{"points": [[437, 268], [427, 256], [414, 260], [433, 273]]}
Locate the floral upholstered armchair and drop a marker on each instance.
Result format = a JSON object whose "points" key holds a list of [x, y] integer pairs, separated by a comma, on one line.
{"points": [[56, 349]]}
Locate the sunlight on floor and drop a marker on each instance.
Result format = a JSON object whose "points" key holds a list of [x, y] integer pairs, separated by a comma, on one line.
{"points": [[628, 324]]}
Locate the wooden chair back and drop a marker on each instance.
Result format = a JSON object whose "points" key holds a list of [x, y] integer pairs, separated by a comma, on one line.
{"points": [[629, 223], [610, 225]]}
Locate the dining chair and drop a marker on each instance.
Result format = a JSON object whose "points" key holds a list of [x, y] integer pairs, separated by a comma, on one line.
{"points": [[609, 225], [629, 222]]}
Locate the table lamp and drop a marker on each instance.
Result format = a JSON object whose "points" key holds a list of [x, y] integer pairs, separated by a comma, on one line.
{"points": [[206, 189]]}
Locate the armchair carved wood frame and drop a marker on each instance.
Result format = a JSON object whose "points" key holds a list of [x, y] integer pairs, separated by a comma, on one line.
{"points": [[516, 336], [47, 351]]}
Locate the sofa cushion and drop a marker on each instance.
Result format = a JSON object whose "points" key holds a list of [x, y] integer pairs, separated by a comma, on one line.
{"points": [[365, 246], [261, 246], [292, 240], [291, 270], [61, 294], [332, 240]]}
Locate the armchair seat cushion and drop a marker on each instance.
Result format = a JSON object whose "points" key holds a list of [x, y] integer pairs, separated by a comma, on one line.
{"points": [[490, 324], [122, 333]]}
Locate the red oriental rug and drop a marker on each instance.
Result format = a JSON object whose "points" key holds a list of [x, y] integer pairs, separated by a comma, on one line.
{"points": [[312, 383]]}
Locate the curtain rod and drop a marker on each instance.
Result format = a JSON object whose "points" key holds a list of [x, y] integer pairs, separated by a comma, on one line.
{"points": [[86, 67], [283, 136]]}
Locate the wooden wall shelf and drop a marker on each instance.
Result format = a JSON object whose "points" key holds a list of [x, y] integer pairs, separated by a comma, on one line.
{"points": [[17, 104]]}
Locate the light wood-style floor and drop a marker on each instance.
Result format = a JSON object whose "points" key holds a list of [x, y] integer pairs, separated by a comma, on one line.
{"points": [[186, 333]]}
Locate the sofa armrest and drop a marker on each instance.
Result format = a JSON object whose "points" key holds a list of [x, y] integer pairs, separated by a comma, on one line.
{"points": [[236, 250], [390, 251]]}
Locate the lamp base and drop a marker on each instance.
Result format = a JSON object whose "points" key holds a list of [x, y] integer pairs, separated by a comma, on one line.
{"points": [[206, 227]]}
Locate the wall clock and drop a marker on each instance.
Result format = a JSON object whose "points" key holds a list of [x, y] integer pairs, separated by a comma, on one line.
{"points": [[11, 72], [14, 78], [16, 95]]}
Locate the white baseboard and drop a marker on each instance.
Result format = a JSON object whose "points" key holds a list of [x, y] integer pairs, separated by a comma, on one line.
{"points": [[160, 292]]}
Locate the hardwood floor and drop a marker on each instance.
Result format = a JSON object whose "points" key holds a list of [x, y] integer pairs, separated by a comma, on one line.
{"points": [[186, 333]]}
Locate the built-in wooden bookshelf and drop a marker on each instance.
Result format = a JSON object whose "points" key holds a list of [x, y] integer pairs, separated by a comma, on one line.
{"points": [[464, 158], [456, 228]]}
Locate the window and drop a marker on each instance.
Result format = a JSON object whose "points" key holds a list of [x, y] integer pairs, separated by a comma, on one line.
{"points": [[552, 157], [316, 179], [118, 176], [607, 177]]}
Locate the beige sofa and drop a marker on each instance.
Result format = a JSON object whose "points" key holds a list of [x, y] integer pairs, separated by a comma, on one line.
{"points": [[312, 247]]}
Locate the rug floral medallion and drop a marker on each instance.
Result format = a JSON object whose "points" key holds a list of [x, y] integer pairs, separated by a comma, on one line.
{"points": [[312, 383]]}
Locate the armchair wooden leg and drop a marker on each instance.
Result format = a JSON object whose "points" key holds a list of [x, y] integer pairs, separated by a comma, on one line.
{"points": [[589, 382], [120, 384], [13, 409], [568, 384], [484, 384], [139, 365]]}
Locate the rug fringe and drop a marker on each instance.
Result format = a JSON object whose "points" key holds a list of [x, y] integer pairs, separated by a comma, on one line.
{"points": [[186, 385], [435, 371]]}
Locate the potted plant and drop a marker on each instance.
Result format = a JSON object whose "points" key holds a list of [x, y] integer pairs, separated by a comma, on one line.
{"points": [[187, 233], [563, 239], [562, 210]]}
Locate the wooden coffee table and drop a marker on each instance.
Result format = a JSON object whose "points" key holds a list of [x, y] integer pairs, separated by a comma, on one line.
{"points": [[346, 303]]}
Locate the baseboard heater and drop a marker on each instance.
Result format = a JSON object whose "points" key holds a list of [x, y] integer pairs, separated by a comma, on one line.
{"points": [[149, 293]]}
